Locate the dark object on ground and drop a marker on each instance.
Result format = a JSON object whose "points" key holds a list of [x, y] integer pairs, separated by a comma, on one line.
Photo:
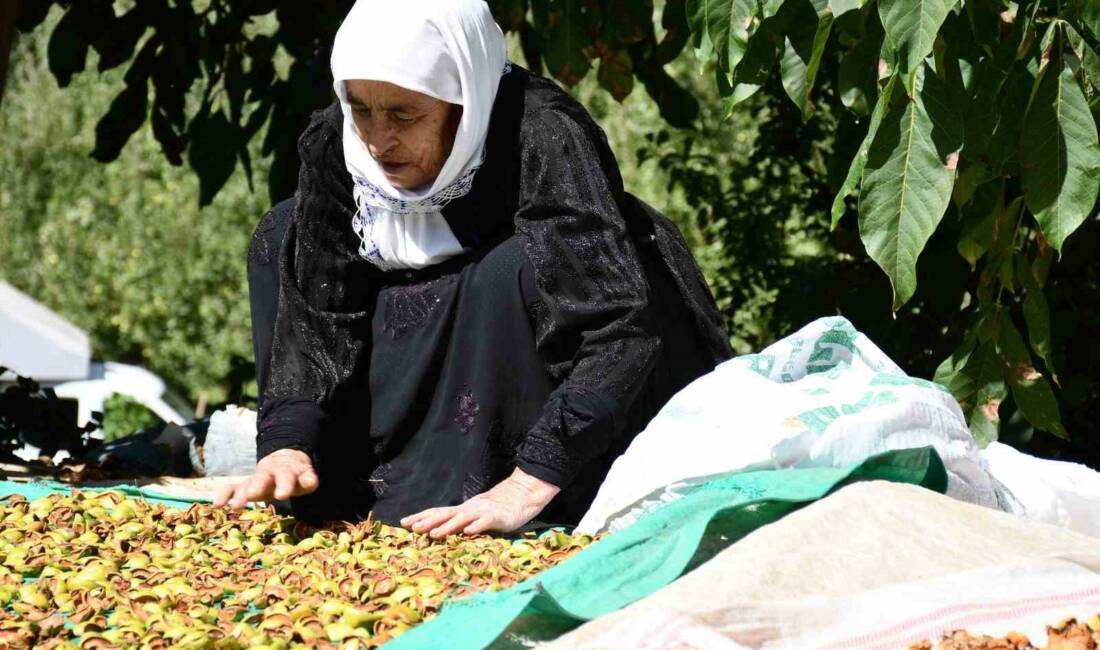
{"points": [[31, 414], [163, 450]]}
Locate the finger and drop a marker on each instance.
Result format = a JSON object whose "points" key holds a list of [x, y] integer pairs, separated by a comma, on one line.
{"points": [[457, 522], [424, 524], [225, 493], [416, 522], [435, 519], [259, 488], [240, 495], [480, 525], [286, 482], [307, 482]]}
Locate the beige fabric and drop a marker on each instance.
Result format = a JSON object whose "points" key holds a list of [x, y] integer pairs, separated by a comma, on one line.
{"points": [[170, 486], [866, 536]]}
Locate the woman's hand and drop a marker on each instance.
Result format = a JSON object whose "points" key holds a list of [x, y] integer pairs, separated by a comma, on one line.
{"points": [[507, 506], [281, 474]]}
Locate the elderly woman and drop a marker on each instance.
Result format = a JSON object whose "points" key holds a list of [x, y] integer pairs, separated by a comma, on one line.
{"points": [[461, 319]]}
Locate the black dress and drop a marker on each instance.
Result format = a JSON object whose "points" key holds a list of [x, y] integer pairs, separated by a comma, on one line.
{"points": [[576, 314]]}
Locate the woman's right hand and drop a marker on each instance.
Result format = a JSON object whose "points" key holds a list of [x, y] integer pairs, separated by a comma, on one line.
{"points": [[280, 475]]}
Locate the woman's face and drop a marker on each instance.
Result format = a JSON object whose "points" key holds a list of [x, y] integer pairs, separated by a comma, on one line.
{"points": [[409, 134]]}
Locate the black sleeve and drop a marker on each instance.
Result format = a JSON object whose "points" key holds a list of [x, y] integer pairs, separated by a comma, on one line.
{"points": [[316, 354], [322, 323], [591, 288]]}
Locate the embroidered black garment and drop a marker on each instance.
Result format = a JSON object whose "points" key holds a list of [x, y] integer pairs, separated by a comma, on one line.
{"points": [[577, 313]]}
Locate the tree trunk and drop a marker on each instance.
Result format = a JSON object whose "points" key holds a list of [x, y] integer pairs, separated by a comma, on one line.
{"points": [[9, 12]]}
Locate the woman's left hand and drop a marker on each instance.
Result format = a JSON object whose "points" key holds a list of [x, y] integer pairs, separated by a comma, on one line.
{"points": [[507, 506]]}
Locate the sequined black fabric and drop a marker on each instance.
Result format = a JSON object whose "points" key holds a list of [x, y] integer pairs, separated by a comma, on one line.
{"points": [[410, 306], [378, 480], [616, 317], [468, 409], [261, 249]]}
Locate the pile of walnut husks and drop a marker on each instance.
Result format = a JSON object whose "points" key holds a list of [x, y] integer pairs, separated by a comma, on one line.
{"points": [[1067, 635], [99, 570]]}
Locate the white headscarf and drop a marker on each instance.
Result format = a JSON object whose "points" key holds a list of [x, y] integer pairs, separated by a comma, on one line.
{"points": [[452, 50]]}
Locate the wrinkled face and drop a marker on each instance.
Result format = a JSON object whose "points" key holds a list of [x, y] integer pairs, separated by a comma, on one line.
{"points": [[410, 134]]}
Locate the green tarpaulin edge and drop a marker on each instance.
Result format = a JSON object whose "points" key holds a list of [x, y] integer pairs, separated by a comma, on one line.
{"points": [[633, 563], [36, 489]]}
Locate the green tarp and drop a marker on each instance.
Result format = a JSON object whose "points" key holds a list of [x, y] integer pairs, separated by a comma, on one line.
{"points": [[633, 563]]}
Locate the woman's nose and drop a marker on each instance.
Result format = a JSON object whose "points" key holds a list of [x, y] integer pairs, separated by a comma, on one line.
{"points": [[380, 140]]}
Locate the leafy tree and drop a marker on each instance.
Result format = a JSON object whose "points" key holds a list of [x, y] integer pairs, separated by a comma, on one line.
{"points": [[226, 52], [980, 111], [964, 129], [123, 250]]}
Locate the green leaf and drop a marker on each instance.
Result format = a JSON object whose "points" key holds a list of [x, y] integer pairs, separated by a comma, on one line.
{"points": [[68, 46], [907, 181], [985, 23], [757, 63], [803, 46], [985, 420], [1030, 389], [213, 152], [678, 106], [31, 15], [737, 95], [627, 21], [1003, 149], [616, 73], [530, 42], [1002, 252], [563, 25], [1088, 12], [1040, 268], [840, 7], [1036, 314], [994, 118], [677, 32], [172, 144], [911, 27], [720, 29], [1088, 57], [1059, 154], [125, 116], [116, 45], [971, 177], [978, 217], [859, 163], [857, 76], [973, 375], [509, 14], [770, 8]]}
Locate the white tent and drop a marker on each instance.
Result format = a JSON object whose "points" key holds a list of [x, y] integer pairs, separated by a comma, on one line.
{"points": [[35, 342]]}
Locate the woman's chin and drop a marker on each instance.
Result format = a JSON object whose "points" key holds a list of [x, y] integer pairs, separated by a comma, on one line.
{"points": [[408, 182]]}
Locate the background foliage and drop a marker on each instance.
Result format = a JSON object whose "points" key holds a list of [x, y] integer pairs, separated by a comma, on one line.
{"points": [[803, 146], [122, 250], [124, 415]]}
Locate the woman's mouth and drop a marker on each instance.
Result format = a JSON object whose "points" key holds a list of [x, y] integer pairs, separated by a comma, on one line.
{"points": [[391, 168]]}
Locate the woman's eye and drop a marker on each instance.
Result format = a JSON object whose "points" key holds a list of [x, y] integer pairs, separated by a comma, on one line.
{"points": [[401, 118]]}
